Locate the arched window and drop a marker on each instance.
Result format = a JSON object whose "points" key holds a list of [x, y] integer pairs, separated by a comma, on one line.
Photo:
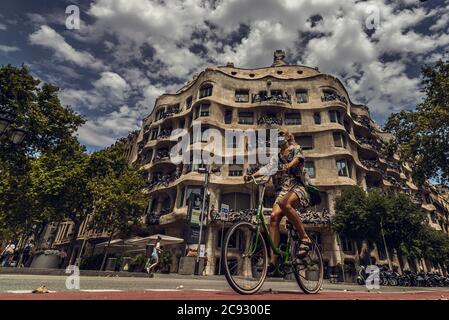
{"points": [[206, 90]]}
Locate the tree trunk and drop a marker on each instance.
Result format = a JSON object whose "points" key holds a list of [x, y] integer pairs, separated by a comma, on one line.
{"points": [[77, 224], [105, 251]]}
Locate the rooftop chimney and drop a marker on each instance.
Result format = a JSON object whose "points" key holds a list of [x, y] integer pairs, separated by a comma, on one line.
{"points": [[279, 56]]}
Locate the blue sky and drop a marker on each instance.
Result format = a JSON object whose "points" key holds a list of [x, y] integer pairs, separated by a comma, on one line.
{"points": [[127, 52]]}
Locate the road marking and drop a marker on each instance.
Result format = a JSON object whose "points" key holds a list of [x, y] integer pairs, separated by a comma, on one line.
{"points": [[206, 290], [163, 290], [101, 290]]}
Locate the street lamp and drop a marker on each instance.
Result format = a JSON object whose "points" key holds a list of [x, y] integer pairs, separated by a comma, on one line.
{"points": [[16, 135], [4, 124]]}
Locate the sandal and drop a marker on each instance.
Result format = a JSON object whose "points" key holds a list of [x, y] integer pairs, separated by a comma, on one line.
{"points": [[304, 248]]}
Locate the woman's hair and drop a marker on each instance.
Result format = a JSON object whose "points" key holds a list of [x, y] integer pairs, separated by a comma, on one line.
{"points": [[290, 137]]}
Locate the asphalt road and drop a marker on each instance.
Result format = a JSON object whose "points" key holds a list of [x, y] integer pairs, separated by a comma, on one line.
{"points": [[175, 287]]}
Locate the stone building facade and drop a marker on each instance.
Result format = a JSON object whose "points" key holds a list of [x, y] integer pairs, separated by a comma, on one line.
{"points": [[341, 143]]}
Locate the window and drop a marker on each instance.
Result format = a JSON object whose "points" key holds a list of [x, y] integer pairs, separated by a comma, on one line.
{"points": [[306, 142], [206, 90], [276, 93], [309, 166], [236, 201], [189, 102], [342, 168], [160, 114], [246, 117], [302, 96], [203, 110], [235, 170], [198, 192], [329, 95], [153, 134], [292, 118], [228, 116], [339, 140], [201, 137], [347, 245], [241, 96], [334, 116], [317, 117]]}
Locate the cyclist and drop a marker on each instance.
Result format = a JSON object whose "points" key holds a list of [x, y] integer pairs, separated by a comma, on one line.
{"points": [[288, 165]]}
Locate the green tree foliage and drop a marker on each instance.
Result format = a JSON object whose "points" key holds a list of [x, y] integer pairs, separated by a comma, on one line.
{"points": [[36, 109], [360, 216], [118, 197], [350, 219], [422, 136]]}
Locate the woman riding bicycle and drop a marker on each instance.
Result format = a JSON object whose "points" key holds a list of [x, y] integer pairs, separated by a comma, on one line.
{"points": [[292, 195]]}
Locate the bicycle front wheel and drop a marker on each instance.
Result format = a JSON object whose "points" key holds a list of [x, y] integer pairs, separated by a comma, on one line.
{"points": [[308, 270], [245, 258]]}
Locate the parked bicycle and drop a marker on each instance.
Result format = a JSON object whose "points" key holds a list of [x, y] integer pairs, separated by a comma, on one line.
{"points": [[245, 255]]}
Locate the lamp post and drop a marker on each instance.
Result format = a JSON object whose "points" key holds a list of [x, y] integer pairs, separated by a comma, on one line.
{"points": [[202, 169], [385, 242]]}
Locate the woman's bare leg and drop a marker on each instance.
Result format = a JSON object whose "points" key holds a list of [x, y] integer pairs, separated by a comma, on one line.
{"points": [[288, 204], [275, 220]]}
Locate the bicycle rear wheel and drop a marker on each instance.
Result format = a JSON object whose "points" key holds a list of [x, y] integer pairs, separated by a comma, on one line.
{"points": [[308, 270], [245, 258]]}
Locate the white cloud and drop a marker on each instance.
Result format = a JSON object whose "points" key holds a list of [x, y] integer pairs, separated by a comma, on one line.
{"points": [[3, 27], [104, 130], [112, 85], [8, 49], [49, 38], [149, 43]]}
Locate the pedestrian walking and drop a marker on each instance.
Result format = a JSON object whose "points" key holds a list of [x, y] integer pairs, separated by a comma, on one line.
{"points": [[27, 252]]}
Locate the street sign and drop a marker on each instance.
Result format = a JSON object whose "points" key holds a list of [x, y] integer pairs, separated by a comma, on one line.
{"points": [[224, 212]]}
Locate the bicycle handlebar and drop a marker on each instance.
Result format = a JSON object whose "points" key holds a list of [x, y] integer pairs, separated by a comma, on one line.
{"points": [[261, 182]]}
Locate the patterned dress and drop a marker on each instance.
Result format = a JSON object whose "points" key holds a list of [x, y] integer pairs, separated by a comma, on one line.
{"points": [[293, 180]]}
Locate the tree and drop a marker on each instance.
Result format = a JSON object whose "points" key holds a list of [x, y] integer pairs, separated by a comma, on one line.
{"points": [[422, 136], [60, 183], [118, 199], [350, 214], [435, 245], [36, 109]]}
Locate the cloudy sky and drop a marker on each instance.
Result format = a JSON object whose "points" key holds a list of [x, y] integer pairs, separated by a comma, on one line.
{"points": [[127, 52]]}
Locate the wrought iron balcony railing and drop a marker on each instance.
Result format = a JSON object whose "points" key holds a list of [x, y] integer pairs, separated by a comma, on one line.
{"points": [[163, 179], [269, 120], [315, 217], [162, 155], [164, 134], [273, 98], [371, 164], [332, 97]]}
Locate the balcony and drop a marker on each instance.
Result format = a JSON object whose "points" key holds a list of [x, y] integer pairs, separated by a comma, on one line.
{"points": [[363, 120], [279, 98], [315, 217], [332, 96], [394, 166], [368, 141], [163, 180], [161, 155], [396, 182], [269, 120], [153, 218], [164, 134], [170, 112], [371, 164]]}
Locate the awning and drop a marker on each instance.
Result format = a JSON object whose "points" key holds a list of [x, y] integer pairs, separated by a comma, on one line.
{"points": [[116, 243], [165, 240]]}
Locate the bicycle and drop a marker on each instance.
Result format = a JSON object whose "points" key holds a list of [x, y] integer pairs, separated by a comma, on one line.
{"points": [[245, 255]]}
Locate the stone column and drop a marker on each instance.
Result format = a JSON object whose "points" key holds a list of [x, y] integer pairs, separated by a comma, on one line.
{"points": [[211, 237]]}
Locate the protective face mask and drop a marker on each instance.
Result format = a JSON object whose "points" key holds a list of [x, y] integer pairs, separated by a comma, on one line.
{"points": [[281, 141]]}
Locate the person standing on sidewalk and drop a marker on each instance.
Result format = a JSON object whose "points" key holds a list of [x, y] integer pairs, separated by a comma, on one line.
{"points": [[8, 253]]}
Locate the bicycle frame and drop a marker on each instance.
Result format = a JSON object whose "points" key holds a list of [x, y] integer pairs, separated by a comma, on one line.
{"points": [[260, 223]]}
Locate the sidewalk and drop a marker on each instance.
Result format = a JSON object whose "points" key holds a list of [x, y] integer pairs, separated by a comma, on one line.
{"points": [[95, 273]]}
